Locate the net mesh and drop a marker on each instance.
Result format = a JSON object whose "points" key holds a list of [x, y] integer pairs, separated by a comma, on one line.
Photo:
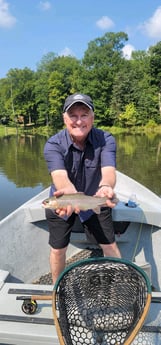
{"points": [[100, 302]]}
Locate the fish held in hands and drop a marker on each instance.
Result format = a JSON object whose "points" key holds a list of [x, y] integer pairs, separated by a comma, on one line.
{"points": [[80, 200]]}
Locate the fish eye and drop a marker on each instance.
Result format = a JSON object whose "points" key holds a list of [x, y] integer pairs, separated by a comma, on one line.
{"points": [[46, 201]]}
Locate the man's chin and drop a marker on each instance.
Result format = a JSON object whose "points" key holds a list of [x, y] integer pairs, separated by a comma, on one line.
{"points": [[79, 133]]}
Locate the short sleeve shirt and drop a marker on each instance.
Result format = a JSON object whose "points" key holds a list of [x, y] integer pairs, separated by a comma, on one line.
{"points": [[83, 166]]}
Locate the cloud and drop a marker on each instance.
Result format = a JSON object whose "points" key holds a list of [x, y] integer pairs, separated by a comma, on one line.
{"points": [[66, 52], [6, 19], [44, 5], [105, 23], [152, 27], [127, 51]]}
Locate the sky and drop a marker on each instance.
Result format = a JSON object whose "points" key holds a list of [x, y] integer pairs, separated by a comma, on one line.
{"points": [[30, 29]]}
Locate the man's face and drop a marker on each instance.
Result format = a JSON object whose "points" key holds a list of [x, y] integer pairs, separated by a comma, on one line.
{"points": [[79, 121]]}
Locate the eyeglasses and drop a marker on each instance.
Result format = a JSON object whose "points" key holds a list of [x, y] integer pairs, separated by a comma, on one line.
{"points": [[83, 117]]}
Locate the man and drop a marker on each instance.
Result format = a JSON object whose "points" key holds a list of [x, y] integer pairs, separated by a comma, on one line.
{"points": [[80, 158]]}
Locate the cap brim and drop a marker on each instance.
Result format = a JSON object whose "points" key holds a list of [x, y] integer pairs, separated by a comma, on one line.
{"points": [[77, 101]]}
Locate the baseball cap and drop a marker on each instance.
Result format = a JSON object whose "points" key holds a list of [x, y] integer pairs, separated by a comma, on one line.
{"points": [[78, 98]]}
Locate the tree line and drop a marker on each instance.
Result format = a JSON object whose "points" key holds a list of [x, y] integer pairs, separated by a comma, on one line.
{"points": [[126, 92]]}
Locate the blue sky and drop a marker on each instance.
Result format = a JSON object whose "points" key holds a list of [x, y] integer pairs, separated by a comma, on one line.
{"points": [[29, 29]]}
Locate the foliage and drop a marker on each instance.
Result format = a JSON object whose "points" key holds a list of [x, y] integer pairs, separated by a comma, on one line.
{"points": [[128, 118], [126, 93], [151, 124]]}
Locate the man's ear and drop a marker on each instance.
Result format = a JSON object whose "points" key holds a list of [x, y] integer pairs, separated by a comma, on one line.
{"points": [[64, 118]]}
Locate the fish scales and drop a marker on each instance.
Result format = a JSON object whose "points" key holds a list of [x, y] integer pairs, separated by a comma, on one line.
{"points": [[82, 201]]}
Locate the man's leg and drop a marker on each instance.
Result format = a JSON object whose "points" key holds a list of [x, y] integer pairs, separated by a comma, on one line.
{"points": [[111, 250], [57, 262], [59, 237], [99, 228]]}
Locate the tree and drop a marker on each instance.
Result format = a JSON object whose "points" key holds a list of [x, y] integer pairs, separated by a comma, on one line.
{"points": [[128, 118], [46, 63], [22, 99], [155, 70], [101, 61], [56, 98], [5, 94], [155, 65], [42, 97], [132, 84]]}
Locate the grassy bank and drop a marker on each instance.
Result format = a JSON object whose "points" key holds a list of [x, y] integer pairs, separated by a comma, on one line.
{"points": [[47, 131], [7, 131]]}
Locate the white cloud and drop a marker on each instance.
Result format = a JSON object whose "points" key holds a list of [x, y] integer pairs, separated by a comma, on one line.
{"points": [[127, 51], [45, 5], [66, 52], [6, 19], [152, 27], [105, 23]]}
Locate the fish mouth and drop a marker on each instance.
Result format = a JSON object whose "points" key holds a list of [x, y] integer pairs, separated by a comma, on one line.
{"points": [[45, 203]]}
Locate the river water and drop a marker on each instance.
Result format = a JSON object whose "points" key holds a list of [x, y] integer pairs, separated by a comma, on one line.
{"points": [[23, 171]]}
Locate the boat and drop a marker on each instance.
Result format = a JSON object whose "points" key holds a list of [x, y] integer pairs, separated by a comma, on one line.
{"points": [[24, 258]]}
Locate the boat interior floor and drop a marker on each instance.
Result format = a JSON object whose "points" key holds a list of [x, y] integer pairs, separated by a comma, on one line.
{"points": [[83, 254]]}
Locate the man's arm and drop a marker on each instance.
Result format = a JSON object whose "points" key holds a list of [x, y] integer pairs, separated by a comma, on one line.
{"points": [[63, 186], [107, 184], [61, 181], [108, 176]]}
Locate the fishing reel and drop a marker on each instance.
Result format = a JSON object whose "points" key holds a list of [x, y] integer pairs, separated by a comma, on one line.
{"points": [[29, 306]]}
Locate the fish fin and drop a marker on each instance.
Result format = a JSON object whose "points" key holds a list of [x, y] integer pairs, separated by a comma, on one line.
{"points": [[97, 210]]}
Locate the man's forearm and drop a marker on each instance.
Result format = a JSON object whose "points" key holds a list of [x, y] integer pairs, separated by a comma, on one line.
{"points": [[108, 177], [61, 181]]}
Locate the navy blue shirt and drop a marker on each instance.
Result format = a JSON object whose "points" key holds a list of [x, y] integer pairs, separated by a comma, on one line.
{"points": [[83, 166]]}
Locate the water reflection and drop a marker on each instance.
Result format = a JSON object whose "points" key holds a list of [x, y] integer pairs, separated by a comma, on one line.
{"points": [[22, 161], [23, 171], [139, 156]]}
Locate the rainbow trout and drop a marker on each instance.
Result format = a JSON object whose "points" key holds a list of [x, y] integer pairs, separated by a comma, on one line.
{"points": [[80, 200]]}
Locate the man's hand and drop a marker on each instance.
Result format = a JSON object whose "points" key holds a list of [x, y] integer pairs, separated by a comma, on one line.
{"points": [[109, 193], [68, 210]]}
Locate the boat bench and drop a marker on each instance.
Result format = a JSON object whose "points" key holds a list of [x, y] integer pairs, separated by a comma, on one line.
{"points": [[34, 212]]}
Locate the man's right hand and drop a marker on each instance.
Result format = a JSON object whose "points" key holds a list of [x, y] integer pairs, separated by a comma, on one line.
{"points": [[68, 210]]}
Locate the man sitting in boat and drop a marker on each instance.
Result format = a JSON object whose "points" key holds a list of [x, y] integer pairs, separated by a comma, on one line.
{"points": [[80, 158]]}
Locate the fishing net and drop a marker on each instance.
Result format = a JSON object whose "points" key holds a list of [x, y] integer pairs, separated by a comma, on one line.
{"points": [[100, 301]]}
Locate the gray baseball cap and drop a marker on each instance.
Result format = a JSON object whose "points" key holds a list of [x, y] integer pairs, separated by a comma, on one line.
{"points": [[78, 98]]}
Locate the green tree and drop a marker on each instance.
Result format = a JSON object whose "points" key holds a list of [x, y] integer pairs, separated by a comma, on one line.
{"points": [[155, 70], [56, 98], [128, 118], [46, 63], [132, 84], [42, 97], [101, 61], [22, 98], [155, 65], [5, 95]]}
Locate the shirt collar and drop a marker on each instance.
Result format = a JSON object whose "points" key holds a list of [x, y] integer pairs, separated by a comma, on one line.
{"points": [[70, 141]]}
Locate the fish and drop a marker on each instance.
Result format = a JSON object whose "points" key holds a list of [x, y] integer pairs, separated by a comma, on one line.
{"points": [[82, 201]]}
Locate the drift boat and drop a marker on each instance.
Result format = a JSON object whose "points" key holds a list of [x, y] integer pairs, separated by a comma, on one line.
{"points": [[24, 258]]}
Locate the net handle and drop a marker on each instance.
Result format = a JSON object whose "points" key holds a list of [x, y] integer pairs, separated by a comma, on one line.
{"points": [[139, 324], [56, 321]]}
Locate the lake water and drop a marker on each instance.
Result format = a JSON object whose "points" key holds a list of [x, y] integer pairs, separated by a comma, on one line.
{"points": [[23, 171]]}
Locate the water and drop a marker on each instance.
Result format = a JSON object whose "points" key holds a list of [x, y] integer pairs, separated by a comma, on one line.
{"points": [[23, 171]]}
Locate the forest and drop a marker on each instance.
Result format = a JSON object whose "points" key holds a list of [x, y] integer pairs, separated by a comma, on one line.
{"points": [[126, 92]]}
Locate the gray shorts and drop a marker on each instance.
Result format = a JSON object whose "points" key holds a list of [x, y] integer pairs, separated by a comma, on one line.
{"points": [[98, 228]]}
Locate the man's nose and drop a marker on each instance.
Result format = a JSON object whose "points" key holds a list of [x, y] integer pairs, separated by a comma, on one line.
{"points": [[79, 119]]}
